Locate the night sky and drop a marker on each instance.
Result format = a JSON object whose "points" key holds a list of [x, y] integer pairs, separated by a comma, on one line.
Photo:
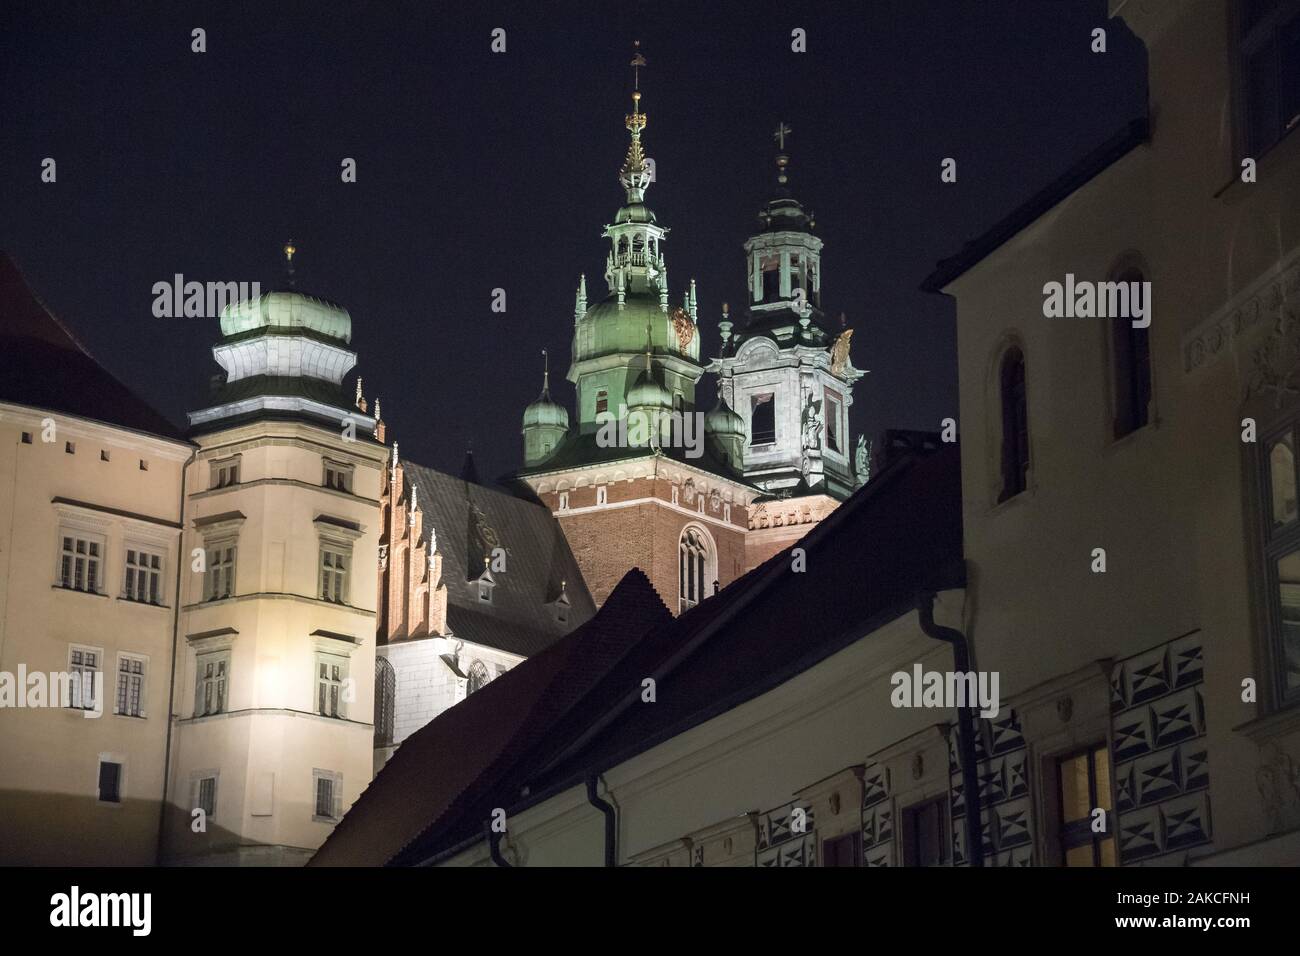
{"points": [[479, 170]]}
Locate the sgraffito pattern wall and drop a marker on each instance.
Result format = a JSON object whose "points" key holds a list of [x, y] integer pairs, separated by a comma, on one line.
{"points": [[1162, 777], [779, 844], [1004, 791], [877, 817]]}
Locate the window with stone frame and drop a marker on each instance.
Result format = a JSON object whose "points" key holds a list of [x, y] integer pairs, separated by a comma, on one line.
{"points": [[762, 418], [81, 560], [834, 407], [925, 837], [83, 664], [327, 796], [224, 473], [142, 579], [219, 578], [1279, 532], [843, 850], [331, 678], [337, 476], [212, 683], [1082, 788], [132, 669], [335, 566]]}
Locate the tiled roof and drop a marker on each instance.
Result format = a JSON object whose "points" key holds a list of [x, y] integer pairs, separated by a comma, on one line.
{"points": [[43, 366], [865, 563], [469, 520]]}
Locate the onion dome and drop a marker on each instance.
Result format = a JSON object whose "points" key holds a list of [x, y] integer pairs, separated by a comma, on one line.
{"points": [[544, 412], [287, 312], [723, 422], [646, 392]]}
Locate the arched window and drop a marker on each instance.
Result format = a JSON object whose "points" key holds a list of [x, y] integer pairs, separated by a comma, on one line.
{"points": [[478, 676], [694, 567], [385, 701], [1015, 424], [1131, 364], [622, 246]]}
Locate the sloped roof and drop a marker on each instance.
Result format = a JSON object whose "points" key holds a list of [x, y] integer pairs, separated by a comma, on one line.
{"points": [[470, 520], [581, 449], [457, 760], [898, 534], [43, 366]]}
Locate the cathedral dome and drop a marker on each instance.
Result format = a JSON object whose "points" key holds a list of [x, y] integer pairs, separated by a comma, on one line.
{"points": [[606, 329], [284, 312], [723, 421], [646, 392]]}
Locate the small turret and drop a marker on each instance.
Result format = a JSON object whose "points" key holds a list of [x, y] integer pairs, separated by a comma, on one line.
{"points": [[545, 422]]}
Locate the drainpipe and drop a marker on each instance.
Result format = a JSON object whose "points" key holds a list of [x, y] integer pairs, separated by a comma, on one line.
{"points": [[965, 725], [611, 855], [494, 845], [181, 562]]}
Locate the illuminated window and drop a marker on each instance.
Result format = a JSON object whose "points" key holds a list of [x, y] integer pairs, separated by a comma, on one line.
{"points": [[1083, 786], [83, 664]]}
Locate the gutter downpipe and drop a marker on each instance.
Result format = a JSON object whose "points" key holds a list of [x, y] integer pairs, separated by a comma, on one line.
{"points": [[171, 686], [611, 849], [965, 725]]}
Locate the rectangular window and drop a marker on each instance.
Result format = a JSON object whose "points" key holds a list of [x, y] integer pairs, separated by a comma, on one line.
{"points": [[331, 671], [925, 833], [338, 476], [1083, 786], [334, 562], [225, 473], [762, 419], [833, 406], [205, 796], [328, 789], [83, 664], [211, 691], [80, 562], [143, 576], [219, 582], [130, 685], [842, 851], [1269, 75], [1280, 532], [110, 782], [602, 402]]}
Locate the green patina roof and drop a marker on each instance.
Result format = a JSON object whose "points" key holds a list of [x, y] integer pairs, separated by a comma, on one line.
{"points": [[285, 311], [608, 329]]}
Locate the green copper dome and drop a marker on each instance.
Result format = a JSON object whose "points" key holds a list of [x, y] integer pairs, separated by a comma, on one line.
{"points": [[724, 422], [646, 392], [286, 312], [605, 329], [546, 413]]}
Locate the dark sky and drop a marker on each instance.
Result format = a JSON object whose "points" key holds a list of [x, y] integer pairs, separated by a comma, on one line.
{"points": [[479, 170]]}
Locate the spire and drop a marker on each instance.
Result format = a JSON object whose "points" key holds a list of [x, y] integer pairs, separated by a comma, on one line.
{"points": [[467, 470], [782, 159], [580, 300], [634, 175]]}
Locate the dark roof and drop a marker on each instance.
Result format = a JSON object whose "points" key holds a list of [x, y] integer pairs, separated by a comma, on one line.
{"points": [[472, 746], [759, 632], [1133, 134], [43, 366], [469, 520]]}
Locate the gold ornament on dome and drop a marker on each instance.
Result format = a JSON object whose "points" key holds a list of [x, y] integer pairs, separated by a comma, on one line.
{"points": [[684, 328], [840, 352]]}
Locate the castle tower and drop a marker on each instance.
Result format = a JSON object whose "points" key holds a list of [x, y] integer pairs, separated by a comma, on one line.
{"points": [[788, 375], [634, 482], [274, 673]]}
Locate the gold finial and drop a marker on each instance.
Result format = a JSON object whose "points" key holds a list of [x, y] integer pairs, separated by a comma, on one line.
{"points": [[289, 250], [782, 160]]}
